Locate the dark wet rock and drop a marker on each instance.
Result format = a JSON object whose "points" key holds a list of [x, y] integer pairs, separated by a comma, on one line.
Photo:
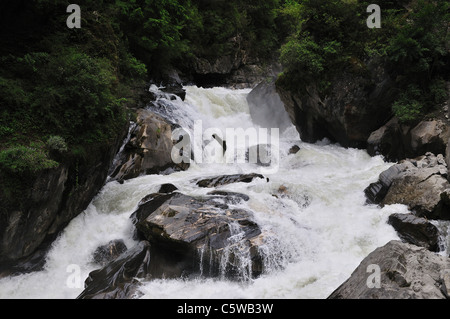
{"points": [[149, 150], [119, 278], [230, 197], [173, 84], [429, 136], [187, 229], [416, 230], [388, 141], [406, 272], [109, 252], [29, 224], [34, 262], [419, 183], [228, 179], [294, 149], [169, 85], [235, 70], [355, 104], [377, 191], [396, 141], [167, 188]]}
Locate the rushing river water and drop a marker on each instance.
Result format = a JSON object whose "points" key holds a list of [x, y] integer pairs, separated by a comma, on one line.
{"points": [[320, 227]]}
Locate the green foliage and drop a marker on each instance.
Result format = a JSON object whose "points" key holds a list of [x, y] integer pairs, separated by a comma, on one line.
{"points": [[419, 47], [327, 36], [302, 55], [419, 57], [322, 39], [56, 143], [64, 87], [132, 67], [76, 93], [12, 94], [155, 28], [407, 111], [407, 108], [438, 91], [25, 160]]}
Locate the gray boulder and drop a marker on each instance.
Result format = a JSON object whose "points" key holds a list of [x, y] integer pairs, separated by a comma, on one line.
{"points": [[388, 141], [405, 272], [119, 278], [200, 235], [106, 253], [429, 136], [419, 183], [228, 179], [415, 230], [148, 150], [396, 141]]}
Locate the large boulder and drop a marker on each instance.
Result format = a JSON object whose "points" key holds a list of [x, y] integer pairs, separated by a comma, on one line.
{"points": [[266, 108], [228, 179], [419, 183], [119, 279], [200, 235], [107, 253], [396, 141], [389, 141], [405, 272], [353, 107], [149, 149], [416, 230], [429, 136]]}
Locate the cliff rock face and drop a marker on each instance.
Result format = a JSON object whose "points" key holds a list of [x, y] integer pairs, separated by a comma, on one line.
{"points": [[354, 106], [53, 199], [396, 141]]}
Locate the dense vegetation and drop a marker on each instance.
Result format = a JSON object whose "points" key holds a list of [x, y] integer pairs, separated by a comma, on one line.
{"points": [[64, 92], [73, 83], [331, 35]]}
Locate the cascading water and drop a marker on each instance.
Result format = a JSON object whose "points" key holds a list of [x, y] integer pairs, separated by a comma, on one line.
{"points": [[312, 211]]}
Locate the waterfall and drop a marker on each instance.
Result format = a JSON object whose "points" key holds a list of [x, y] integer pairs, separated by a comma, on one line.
{"points": [[312, 211]]}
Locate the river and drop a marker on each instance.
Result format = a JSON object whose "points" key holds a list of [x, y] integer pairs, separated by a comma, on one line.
{"points": [[313, 208]]}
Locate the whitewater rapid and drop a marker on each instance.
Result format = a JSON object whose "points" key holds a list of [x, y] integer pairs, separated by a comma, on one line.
{"points": [[313, 209]]}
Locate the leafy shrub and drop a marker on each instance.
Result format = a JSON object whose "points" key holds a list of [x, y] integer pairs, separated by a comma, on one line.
{"points": [[302, 55], [76, 97], [408, 107], [407, 111], [5, 130], [56, 143], [131, 66], [25, 160]]}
